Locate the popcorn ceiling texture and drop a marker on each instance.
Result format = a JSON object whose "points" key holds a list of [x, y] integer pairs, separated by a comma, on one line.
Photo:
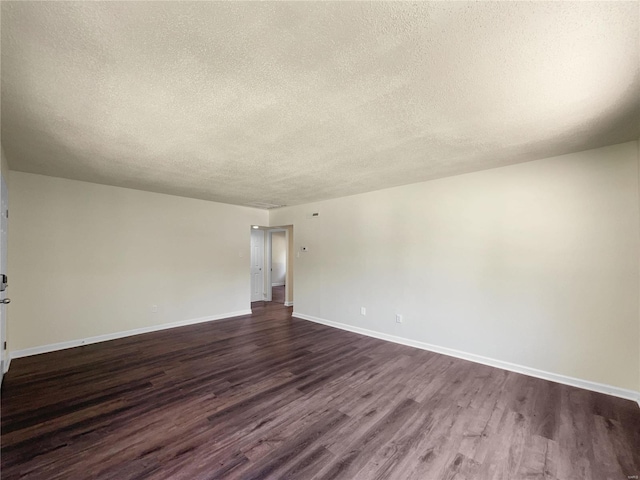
{"points": [[289, 103]]}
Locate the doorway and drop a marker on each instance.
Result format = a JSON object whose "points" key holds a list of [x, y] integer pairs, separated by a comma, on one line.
{"points": [[272, 264], [278, 266]]}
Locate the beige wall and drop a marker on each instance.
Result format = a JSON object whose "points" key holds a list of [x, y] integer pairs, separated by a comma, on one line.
{"points": [[534, 264], [89, 260], [4, 165]]}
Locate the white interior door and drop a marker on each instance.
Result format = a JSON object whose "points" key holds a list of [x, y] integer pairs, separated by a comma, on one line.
{"points": [[4, 205], [257, 263]]}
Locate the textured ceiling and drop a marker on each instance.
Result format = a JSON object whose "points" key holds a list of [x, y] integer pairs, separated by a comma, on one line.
{"points": [[288, 103]]}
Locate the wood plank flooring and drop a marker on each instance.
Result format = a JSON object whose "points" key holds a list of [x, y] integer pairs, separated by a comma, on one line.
{"points": [[277, 294], [270, 396]]}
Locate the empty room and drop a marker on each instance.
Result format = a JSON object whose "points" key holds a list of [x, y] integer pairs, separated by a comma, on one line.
{"points": [[320, 240]]}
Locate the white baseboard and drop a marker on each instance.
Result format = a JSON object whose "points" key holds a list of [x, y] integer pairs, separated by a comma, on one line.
{"points": [[288, 304], [127, 333], [532, 372], [7, 364], [278, 284]]}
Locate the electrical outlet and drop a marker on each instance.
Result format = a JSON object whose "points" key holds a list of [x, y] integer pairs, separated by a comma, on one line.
{"points": [[363, 311], [398, 318], [154, 308]]}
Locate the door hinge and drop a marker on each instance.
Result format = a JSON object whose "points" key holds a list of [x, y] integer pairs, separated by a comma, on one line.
{"points": [[4, 346]]}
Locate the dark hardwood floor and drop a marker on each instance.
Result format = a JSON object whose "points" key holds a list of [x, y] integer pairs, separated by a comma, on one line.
{"points": [[268, 396], [278, 294]]}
